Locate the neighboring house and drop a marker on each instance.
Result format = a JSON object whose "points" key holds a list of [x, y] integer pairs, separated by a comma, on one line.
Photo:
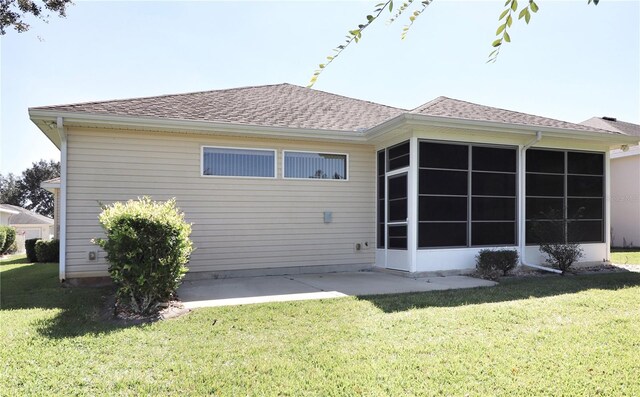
{"points": [[5, 214], [625, 183], [28, 224], [53, 185], [289, 179]]}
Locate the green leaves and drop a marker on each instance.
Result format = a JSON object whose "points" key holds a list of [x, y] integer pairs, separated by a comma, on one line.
{"points": [[355, 35], [511, 6]]}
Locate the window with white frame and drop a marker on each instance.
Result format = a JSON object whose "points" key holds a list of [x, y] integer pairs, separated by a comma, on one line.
{"points": [[222, 161], [313, 165]]}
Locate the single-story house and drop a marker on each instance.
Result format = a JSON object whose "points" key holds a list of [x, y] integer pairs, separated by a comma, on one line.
{"points": [[625, 183], [282, 178], [28, 224]]}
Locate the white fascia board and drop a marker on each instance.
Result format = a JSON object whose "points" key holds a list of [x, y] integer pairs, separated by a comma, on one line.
{"points": [[8, 211], [612, 140], [203, 127], [45, 120], [633, 151]]}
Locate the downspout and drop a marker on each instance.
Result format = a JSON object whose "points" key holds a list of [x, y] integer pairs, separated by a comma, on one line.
{"points": [[62, 213], [521, 195]]}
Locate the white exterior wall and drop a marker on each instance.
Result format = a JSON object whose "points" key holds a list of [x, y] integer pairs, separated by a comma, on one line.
{"points": [[625, 200], [238, 223]]}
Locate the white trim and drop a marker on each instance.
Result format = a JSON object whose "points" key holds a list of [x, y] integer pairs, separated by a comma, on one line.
{"points": [[346, 166], [8, 211], [43, 117], [191, 126], [275, 162], [62, 200], [633, 151], [413, 199], [607, 204]]}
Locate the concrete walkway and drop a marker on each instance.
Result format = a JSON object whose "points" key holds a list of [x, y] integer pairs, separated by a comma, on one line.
{"points": [[247, 290]]}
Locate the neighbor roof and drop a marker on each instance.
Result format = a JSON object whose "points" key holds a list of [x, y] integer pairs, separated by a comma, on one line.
{"points": [[613, 125], [287, 105], [25, 217]]}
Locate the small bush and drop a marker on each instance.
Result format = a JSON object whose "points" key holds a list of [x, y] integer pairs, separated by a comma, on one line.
{"points": [[3, 236], [147, 246], [561, 255], [30, 248], [492, 263], [48, 251], [10, 239]]}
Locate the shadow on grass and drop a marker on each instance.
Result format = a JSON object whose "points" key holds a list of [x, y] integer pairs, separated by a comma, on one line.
{"points": [[507, 290], [14, 261], [81, 311]]}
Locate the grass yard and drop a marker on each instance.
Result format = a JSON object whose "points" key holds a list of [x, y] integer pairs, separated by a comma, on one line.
{"points": [[625, 256], [573, 335]]}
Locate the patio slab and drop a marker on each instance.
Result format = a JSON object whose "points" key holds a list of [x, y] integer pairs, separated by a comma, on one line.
{"points": [[250, 290]]}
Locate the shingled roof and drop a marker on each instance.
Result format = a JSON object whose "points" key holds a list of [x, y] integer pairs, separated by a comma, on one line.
{"points": [[447, 107], [612, 124], [281, 105], [287, 105], [25, 217]]}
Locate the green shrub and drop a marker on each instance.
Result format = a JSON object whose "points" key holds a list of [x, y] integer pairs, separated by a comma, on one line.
{"points": [[48, 251], [3, 236], [30, 248], [10, 239], [561, 255], [492, 263], [147, 245]]}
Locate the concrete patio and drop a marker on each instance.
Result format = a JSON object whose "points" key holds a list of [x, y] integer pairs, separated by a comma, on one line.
{"points": [[248, 290]]}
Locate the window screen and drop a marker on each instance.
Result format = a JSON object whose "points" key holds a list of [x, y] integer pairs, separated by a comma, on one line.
{"points": [[238, 162], [466, 191], [399, 156], [565, 196], [304, 165]]}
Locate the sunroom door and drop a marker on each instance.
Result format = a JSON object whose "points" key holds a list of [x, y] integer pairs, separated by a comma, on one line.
{"points": [[397, 221]]}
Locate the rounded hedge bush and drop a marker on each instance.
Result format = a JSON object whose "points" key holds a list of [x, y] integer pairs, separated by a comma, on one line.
{"points": [[10, 238], [30, 248], [47, 251], [493, 263], [3, 236], [147, 245]]}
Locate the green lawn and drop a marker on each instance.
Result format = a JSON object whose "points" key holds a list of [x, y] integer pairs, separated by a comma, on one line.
{"points": [[625, 256], [572, 335]]}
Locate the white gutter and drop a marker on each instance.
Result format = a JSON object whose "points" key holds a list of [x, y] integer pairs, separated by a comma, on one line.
{"points": [[194, 126], [522, 206], [63, 198]]}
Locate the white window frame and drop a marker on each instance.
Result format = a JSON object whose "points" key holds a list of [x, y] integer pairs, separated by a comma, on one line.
{"points": [[275, 162], [346, 166]]}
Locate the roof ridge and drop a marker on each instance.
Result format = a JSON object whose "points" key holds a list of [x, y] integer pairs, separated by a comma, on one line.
{"points": [[430, 103], [350, 98], [160, 96], [220, 90]]}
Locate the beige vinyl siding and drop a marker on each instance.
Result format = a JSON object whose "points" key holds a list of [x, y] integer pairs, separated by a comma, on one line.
{"points": [[238, 223], [625, 201]]}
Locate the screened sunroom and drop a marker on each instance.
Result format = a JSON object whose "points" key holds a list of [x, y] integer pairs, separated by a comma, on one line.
{"points": [[440, 201]]}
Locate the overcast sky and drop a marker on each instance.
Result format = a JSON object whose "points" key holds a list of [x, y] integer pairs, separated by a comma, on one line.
{"points": [[573, 61]]}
